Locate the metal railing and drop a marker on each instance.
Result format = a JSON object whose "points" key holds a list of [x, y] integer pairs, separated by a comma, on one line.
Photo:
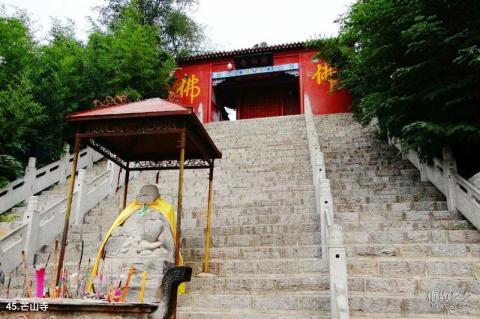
{"points": [[333, 248]]}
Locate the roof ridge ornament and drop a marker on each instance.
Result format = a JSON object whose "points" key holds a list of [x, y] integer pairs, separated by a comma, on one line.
{"points": [[111, 101]]}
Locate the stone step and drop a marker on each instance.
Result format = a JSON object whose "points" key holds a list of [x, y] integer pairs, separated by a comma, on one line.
{"points": [[410, 236], [426, 250], [312, 304], [228, 313], [410, 307], [258, 229], [406, 222], [296, 239], [269, 266], [392, 207], [259, 284], [260, 218], [248, 253], [375, 286]]}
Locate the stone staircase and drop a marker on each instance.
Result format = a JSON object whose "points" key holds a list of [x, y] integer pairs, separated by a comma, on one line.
{"points": [[265, 235], [403, 245], [265, 249]]}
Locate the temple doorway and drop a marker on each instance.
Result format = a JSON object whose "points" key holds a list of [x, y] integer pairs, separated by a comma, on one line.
{"points": [[265, 95]]}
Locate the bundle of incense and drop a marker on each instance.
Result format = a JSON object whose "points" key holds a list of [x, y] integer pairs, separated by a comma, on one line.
{"points": [[53, 275], [84, 282], [60, 286], [79, 276], [125, 289], [39, 281], [8, 287], [142, 287], [118, 292], [27, 281]]}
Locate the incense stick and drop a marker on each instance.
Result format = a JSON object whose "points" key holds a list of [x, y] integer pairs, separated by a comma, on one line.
{"points": [[142, 287], [27, 282], [53, 276], [8, 287], [79, 276], [125, 289]]}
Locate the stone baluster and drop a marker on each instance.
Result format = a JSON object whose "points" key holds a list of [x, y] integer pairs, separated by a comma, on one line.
{"points": [[81, 205], [338, 272], [31, 217], [30, 177], [64, 164], [449, 170]]}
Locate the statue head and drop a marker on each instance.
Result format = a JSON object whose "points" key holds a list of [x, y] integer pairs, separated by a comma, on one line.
{"points": [[148, 194]]}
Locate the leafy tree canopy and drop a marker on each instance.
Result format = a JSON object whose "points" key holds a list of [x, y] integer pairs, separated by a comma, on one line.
{"points": [[41, 83], [177, 32], [414, 65]]}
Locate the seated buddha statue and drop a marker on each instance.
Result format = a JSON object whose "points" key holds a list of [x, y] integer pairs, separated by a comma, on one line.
{"points": [[143, 236]]}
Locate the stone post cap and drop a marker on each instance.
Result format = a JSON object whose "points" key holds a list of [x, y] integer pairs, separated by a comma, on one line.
{"points": [[32, 161]]}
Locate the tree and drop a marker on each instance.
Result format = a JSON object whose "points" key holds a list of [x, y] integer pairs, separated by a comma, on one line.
{"points": [[58, 84], [415, 66], [178, 33], [127, 58], [19, 113], [41, 83]]}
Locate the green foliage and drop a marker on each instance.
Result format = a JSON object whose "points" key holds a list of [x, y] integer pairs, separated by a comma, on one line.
{"points": [[8, 217], [10, 168], [414, 65], [128, 57], [58, 84], [177, 32], [41, 83]]}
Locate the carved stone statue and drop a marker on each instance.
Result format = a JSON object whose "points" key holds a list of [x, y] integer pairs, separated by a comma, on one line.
{"points": [[145, 240]]}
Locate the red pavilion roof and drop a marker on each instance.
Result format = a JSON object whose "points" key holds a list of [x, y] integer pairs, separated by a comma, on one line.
{"points": [[145, 108]]}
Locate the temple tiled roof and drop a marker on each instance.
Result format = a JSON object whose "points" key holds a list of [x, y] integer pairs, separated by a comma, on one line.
{"points": [[230, 54]]}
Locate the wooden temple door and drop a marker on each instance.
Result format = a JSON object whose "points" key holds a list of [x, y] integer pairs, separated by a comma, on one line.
{"points": [[255, 103]]}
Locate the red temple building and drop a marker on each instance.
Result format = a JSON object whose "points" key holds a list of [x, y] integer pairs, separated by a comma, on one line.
{"points": [[262, 81]]}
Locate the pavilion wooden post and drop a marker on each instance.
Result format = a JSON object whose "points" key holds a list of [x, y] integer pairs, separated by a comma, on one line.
{"points": [[180, 198], [179, 212], [76, 151], [125, 186], [209, 217]]}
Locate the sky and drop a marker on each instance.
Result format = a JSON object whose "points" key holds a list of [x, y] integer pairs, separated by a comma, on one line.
{"points": [[229, 24]]}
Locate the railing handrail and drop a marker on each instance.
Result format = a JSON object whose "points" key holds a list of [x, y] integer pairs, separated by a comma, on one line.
{"points": [[442, 173], [36, 180], [470, 188], [333, 249], [43, 226]]}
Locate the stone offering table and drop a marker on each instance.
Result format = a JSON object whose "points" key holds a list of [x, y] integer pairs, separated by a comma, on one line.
{"points": [[73, 309]]}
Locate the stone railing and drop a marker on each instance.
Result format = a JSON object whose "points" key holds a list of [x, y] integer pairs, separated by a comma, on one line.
{"points": [[333, 249], [40, 228], [36, 180], [461, 195]]}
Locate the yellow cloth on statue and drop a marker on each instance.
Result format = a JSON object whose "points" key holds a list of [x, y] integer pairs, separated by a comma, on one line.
{"points": [[159, 205]]}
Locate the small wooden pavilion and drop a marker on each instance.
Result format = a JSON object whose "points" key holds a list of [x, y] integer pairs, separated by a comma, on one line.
{"points": [[153, 134]]}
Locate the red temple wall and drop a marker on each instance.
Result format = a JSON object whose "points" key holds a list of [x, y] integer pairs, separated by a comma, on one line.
{"points": [[313, 81], [197, 91], [323, 100]]}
